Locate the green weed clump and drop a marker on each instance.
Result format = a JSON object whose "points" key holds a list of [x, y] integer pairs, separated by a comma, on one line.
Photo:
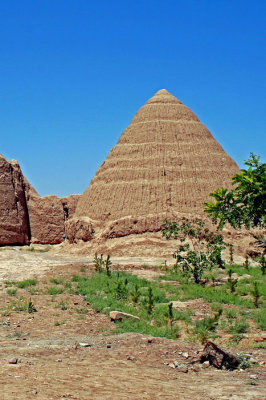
{"points": [[12, 292], [26, 283], [54, 290], [239, 326], [260, 318], [57, 281], [19, 305], [260, 345], [58, 323]]}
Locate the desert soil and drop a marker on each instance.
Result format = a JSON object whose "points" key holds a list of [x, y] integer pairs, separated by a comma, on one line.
{"points": [[56, 354]]}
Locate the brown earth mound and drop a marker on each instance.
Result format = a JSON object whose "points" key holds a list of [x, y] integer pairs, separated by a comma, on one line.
{"points": [[165, 162]]}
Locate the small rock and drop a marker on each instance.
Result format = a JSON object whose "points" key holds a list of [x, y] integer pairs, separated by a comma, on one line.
{"points": [[206, 364], [149, 341], [13, 361], [108, 346], [196, 368], [262, 363], [253, 360], [254, 376], [59, 360], [176, 364], [85, 345], [118, 316], [172, 365], [185, 355], [131, 358]]}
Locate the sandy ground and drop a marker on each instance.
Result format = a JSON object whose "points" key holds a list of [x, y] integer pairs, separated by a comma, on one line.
{"points": [[51, 362], [18, 263]]}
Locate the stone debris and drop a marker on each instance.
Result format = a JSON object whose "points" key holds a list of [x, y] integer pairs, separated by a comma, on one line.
{"points": [[171, 365], [119, 316], [131, 358], [13, 361], [254, 376], [183, 368], [196, 368]]}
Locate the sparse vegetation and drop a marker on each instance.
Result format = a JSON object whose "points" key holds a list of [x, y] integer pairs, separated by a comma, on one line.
{"points": [[58, 323], [26, 283], [232, 282], [231, 305], [54, 290], [57, 281], [12, 292], [255, 293], [200, 249], [98, 262]]}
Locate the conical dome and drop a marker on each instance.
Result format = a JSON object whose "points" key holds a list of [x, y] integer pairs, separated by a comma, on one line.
{"points": [[165, 161]]}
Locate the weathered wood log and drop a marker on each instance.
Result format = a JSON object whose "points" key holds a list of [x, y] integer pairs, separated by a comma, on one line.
{"points": [[218, 358]]}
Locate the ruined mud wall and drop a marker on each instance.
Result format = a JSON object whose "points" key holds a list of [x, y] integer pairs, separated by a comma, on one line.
{"points": [[26, 217], [14, 224]]}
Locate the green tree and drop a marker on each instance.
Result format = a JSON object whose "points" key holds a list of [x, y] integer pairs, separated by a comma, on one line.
{"points": [[245, 204], [199, 248]]}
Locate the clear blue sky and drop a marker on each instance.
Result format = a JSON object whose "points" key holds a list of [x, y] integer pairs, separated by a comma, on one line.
{"points": [[74, 72]]}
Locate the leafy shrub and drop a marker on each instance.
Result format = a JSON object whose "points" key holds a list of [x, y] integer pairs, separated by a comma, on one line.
{"points": [[200, 249]]}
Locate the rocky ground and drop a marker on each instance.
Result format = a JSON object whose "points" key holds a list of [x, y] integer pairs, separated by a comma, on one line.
{"points": [[60, 353]]}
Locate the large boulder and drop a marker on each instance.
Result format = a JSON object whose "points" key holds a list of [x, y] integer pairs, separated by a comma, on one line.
{"points": [[14, 221]]}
